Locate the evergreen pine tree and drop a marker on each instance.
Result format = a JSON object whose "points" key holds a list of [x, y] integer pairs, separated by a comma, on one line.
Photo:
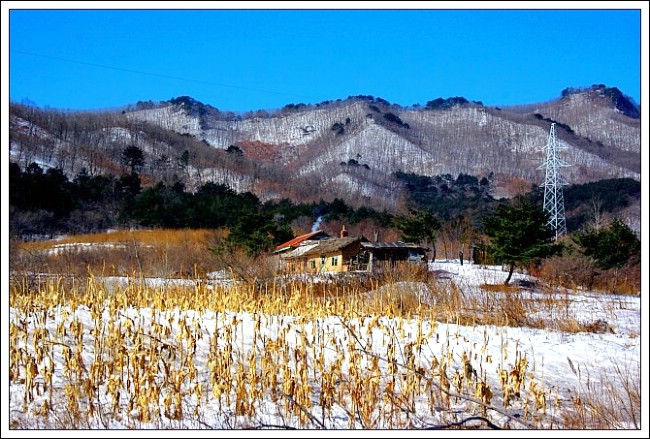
{"points": [[612, 247], [519, 234]]}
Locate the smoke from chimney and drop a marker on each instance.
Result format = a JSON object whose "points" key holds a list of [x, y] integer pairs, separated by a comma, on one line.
{"points": [[316, 224]]}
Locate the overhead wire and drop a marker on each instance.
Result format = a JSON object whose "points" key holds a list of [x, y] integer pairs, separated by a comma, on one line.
{"points": [[158, 75]]}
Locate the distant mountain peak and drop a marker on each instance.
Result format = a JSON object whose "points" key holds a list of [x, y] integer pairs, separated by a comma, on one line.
{"points": [[443, 104], [621, 102]]}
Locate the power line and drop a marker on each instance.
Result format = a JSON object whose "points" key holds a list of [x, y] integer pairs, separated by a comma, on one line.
{"points": [[158, 75]]}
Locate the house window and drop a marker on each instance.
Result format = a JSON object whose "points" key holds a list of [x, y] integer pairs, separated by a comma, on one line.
{"points": [[335, 261], [313, 264]]}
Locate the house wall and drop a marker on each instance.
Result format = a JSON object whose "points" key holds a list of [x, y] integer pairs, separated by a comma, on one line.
{"points": [[318, 264], [315, 263]]}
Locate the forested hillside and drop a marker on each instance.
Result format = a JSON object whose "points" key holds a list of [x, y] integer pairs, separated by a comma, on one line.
{"points": [[451, 156]]}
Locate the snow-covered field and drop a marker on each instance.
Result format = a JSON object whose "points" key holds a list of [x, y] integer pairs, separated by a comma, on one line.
{"points": [[99, 367]]}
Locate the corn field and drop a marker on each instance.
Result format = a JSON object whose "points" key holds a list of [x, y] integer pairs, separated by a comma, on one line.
{"points": [[238, 357]]}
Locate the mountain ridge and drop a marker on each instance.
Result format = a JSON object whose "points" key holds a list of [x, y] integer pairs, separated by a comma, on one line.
{"points": [[349, 148]]}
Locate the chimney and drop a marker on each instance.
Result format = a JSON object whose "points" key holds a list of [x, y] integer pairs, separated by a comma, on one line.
{"points": [[343, 233], [376, 236]]}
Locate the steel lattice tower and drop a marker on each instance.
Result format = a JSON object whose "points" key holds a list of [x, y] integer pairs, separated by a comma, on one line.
{"points": [[553, 195]]}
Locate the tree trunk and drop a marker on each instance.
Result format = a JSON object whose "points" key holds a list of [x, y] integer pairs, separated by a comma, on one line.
{"points": [[512, 268]]}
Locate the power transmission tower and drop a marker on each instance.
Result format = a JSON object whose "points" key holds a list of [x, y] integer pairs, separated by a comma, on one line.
{"points": [[553, 195]]}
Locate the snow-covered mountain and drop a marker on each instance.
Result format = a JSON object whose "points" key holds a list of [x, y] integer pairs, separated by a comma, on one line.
{"points": [[348, 148]]}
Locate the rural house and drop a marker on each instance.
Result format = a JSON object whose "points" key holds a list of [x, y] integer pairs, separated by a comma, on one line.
{"points": [[304, 254], [324, 256]]}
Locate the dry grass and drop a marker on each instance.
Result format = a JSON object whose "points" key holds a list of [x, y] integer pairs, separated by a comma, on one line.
{"points": [[186, 254], [375, 391], [500, 288], [163, 253], [151, 374], [157, 237], [129, 350], [608, 402]]}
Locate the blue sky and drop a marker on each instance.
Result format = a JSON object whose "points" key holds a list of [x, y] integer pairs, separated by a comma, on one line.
{"points": [[244, 60]]}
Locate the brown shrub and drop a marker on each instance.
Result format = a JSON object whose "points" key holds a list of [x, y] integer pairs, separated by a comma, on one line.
{"points": [[626, 280], [568, 271], [578, 271]]}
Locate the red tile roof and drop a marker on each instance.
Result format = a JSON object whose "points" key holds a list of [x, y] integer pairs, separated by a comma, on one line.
{"points": [[297, 240]]}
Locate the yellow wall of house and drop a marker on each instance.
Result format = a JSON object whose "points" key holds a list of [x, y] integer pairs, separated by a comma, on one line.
{"points": [[331, 262], [317, 265]]}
